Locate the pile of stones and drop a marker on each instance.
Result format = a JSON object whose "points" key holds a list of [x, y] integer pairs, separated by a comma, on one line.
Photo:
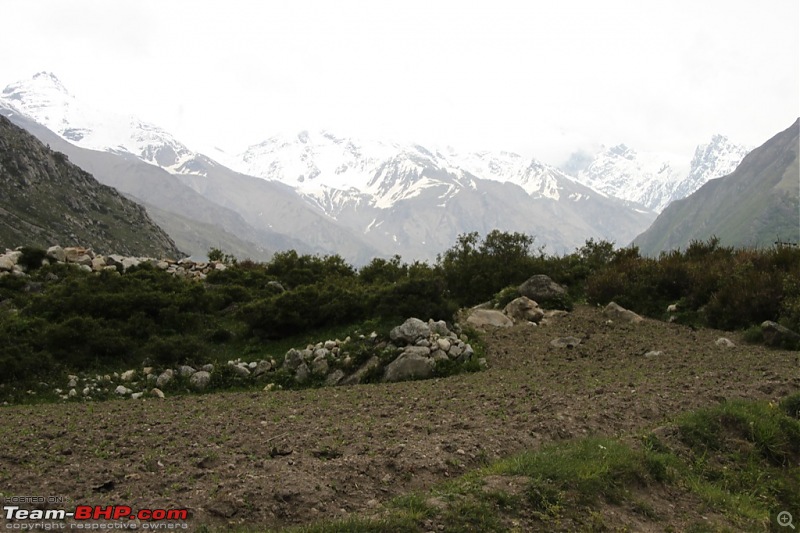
{"points": [[413, 351], [86, 259]]}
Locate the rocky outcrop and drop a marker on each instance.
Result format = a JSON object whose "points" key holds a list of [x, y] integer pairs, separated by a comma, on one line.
{"points": [[45, 199], [524, 309], [481, 318], [777, 335], [544, 290], [86, 259], [520, 310]]}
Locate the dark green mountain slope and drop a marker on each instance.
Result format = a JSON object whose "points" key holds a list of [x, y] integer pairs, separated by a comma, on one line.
{"points": [[755, 205], [46, 200]]}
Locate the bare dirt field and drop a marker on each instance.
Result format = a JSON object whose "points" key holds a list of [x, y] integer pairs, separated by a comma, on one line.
{"points": [[272, 459]]}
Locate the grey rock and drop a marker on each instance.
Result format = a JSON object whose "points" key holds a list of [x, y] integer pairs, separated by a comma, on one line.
{"points": [[653, 353], [122, 390], [200, 380], [334, 378], [186, 371], [439, 327], [422, 351], [157, 393], [98, 263], [443, 344], [262, 368], [617, 312], [275, 284], [541, 288], [565, 342], [455, 350], [128, 375], [778, 335], [408, 365], [57, 253], [129, 262], [467, 354], [208, 368], [293, 359], [241, 370], [483, 318], [301, 373], [725, 342], [164, 379], [524, 309], [319, 367], [357, 376], [439, 355], [410, 331]]}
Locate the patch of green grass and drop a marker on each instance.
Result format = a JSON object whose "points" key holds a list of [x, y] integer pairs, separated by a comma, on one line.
{"points": [[589, 468], [743, 458]]}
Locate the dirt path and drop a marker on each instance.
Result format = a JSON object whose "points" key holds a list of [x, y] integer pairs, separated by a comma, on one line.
{"points": [[288, 457]]}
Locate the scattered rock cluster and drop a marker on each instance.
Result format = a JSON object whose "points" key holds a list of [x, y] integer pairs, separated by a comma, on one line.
{"points": [[414, 349], [521, 310], [87, 260]]}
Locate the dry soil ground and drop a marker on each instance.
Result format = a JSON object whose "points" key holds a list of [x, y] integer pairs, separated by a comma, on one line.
{"points": [[289, 457]]}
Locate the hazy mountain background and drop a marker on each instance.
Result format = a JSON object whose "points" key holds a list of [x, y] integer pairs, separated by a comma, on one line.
{"points": [[755, 206], [318, 192]]}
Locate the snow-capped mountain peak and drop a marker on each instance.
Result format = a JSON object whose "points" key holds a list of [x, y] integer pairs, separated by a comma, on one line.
{"points": [[713, 160], [654, 179], [45, 99], [43, 89]]}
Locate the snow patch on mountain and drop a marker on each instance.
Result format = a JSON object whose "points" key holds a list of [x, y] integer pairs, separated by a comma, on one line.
{"points": [[645, 178], [713, 160], [44, 99], [654, 179]]}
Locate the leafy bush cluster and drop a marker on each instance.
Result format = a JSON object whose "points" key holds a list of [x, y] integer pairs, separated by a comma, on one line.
{"points": [[63, 318], [712, 285]]}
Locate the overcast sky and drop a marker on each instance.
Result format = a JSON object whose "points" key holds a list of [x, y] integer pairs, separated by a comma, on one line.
{"points": [[539, 78]]}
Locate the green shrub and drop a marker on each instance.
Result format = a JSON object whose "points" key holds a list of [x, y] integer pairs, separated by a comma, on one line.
{"points": [[475, 269], [167, 351], [31, 258], [791, 405], [505, 296]]}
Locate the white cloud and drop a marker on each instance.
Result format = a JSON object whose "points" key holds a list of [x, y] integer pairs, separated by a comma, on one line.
{"points": [[526, 76]]}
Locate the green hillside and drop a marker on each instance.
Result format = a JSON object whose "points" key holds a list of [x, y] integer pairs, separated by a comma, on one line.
{"points": [[756, 205]]}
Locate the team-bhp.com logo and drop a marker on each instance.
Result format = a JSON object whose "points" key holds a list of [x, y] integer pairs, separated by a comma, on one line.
{"points": [[91, 517]]}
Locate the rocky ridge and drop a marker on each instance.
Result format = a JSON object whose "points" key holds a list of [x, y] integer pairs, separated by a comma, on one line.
{"points": [[45, 198]]}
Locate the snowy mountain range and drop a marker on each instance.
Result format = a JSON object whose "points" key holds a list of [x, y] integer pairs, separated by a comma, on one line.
{"points": [[655, 179], [366, 197]]}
